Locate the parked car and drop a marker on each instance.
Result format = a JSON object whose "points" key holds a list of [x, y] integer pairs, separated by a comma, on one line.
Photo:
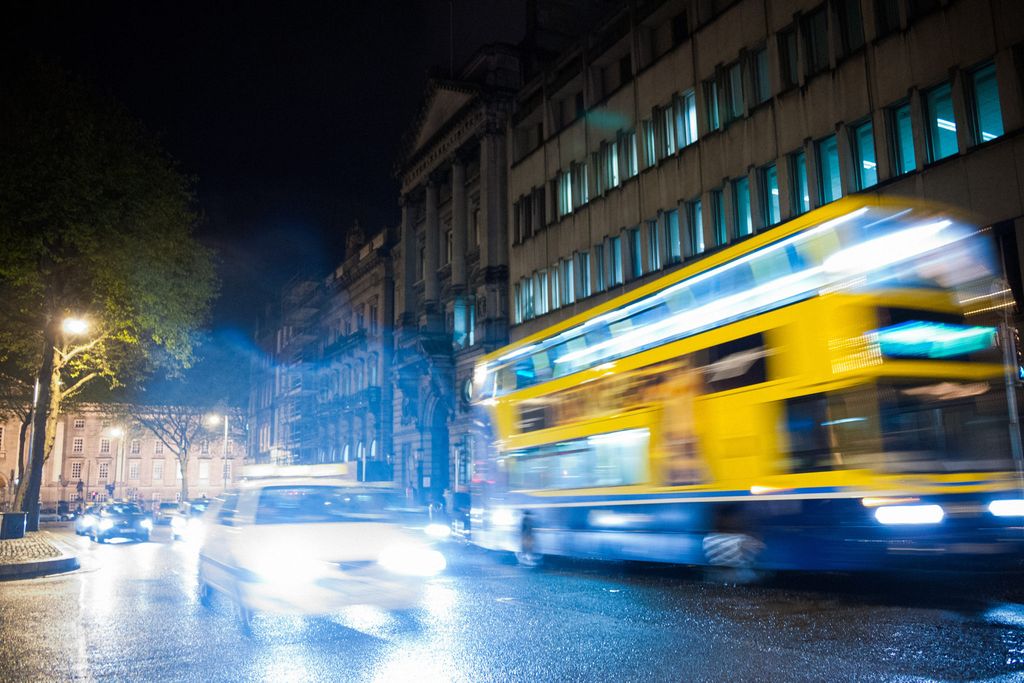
{"points": [[163, 512], [49, 515], [188, 523], [85, 521], [121, 520], [312, 546]]}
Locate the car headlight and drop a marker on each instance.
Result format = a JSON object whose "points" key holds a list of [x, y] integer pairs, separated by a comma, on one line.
{"points": [[412, 560], [436, 530], [909, 514], [88, 521], [1013, 507], [146, 524], [106, 524]]}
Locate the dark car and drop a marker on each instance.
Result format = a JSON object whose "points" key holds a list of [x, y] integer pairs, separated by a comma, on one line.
{"points": [[121, 520], [163, 513]]}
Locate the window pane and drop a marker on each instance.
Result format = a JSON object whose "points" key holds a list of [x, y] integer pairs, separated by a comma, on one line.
{"points": [[672, 235], [735, 92], [941, 123], [851, 25], [801, 192], [987, 116], [653, 245], [761, 81], [815, 29], [864, 146], [788, 57], [903, 139], [695, 238], [648, 130], [718, 216], [690, 117], [616, 245], [668, 133], [828, 170], [711, 97], [741, 197], [635, 254], [770, 182]]}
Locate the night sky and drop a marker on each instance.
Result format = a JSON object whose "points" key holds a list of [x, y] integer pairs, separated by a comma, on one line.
{"points": [[290, 116]]}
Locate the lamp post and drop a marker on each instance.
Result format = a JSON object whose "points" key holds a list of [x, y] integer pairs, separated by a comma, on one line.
{"points": [[119, 434], [215, 420]]}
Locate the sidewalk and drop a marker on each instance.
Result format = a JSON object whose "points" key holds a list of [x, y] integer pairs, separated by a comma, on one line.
{"points": [[39, 553]]}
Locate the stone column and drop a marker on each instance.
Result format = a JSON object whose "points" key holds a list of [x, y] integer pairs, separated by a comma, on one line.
{"points": [[458, 224], [410, 253], [431, 229], [493, 242]]}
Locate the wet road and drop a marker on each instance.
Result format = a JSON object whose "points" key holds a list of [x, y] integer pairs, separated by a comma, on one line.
{"points": [[132, 614]]}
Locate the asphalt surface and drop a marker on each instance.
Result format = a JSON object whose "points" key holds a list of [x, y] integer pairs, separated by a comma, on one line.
{"points": [[131, 613]]}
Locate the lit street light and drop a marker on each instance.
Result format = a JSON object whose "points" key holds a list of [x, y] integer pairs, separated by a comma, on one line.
{"points": [[213, 420], [75, 326]]}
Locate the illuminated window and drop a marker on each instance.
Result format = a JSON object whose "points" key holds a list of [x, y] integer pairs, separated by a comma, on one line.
{"points": [[741, 206], [770, 194], [78, 445], [611, 164], [632, 161], [673, 246], [556, 288], [653, 245], [938, 104], [564, 194], [104, 445], [694, 228], [801, 200], [864, 155], [76, 470], [601, 266], [902, 139], [686, 118], [583, 266], [636, 265], [615, 245], [711, 104], [650, 156], [580, 182], [104, 470], [668, 133], [987, 117], [829, 185], [718, 218]]}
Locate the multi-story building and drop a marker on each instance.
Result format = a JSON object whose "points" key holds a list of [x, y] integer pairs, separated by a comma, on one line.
{"points": [[354, 398], [99, 449], [681, 126], [452, 302]]}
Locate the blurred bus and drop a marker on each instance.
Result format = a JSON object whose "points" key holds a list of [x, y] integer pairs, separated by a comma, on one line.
{"points": [[829, 394]]}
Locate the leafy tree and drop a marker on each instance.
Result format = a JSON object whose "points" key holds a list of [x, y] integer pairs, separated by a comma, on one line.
{"points": [[97, 223], [177, 407]]}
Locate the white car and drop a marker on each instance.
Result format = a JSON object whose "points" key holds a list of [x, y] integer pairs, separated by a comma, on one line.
{"points": [[312, 546]]}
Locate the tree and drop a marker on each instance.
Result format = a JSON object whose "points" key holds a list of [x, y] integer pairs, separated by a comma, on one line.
{"points": [[177, 407], [96, 223]]}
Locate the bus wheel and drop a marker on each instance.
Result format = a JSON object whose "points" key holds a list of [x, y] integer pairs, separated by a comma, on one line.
{"points": [[733, 558], [528, 555]]}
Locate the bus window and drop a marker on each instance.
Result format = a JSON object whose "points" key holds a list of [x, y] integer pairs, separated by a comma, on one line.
{"points": [[809, 447]]}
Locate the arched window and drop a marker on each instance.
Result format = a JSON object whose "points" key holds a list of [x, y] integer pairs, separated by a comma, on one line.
{"points": [[361, 452], [373, 449], [344, 455], [373, 370]]}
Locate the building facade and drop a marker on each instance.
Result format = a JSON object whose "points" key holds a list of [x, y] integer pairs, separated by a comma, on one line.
{"points": [[100, 450], [452, 303], [678, 127]]}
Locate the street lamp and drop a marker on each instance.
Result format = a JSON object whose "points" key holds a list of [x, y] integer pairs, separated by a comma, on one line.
{"points": [[119, 434], [75, 326], [214, 420]]}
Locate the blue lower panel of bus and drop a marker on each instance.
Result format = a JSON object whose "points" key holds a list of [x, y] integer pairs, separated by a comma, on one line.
{"points": [[818, 534]]}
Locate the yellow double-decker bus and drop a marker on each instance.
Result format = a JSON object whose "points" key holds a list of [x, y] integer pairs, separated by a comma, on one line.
{"points": [[825, 395]]}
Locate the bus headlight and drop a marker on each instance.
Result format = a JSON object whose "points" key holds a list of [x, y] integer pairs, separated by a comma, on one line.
{"points": [[412, 560], [909, 514], [1014, 507]]}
